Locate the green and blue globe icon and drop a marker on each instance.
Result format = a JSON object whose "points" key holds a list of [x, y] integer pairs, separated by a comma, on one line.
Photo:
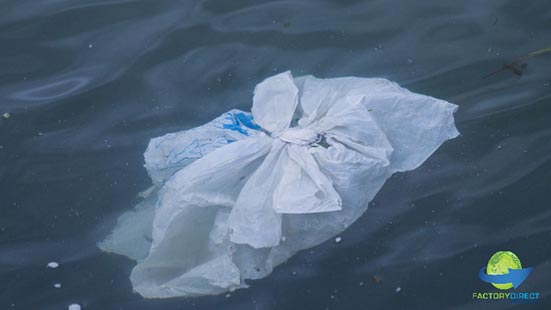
{"points": [[504, 271]]}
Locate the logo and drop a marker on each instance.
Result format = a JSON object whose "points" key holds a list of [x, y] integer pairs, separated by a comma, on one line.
{"points": [[504, 271]]}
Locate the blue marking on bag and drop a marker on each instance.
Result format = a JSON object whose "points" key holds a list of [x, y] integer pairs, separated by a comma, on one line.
{"points": [[247, 120], [237, 120]]}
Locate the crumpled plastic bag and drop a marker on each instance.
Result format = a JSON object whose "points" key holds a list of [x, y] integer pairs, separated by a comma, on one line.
{"points": [[240, 195]]}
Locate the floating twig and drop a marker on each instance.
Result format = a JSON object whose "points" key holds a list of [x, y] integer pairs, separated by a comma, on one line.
{"points": [[518, 66]]}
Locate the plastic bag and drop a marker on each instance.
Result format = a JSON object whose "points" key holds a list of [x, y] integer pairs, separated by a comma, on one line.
{"points": [[242, 194]]}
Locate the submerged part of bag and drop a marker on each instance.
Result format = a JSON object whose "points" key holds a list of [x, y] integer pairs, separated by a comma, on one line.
{"points": [[240, 195]]}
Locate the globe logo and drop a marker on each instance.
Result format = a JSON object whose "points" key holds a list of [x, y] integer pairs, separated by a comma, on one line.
{"points": [[504, 271]]}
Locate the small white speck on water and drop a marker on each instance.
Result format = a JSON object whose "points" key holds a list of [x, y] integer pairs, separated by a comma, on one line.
{"points": [[6, 115], [57, 285], [499, 147], [90, 45], [53, 265], [294, 273], [361, 284], [398, 289], [410, 61], [228, 295], [74, 307], [338, 240]]}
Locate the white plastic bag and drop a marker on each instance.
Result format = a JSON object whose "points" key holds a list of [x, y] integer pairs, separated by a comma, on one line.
{"points": [[240, 195]]}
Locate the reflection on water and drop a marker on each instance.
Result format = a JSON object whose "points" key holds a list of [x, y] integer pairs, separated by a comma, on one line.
{"points": [[88, 83], [55, 90]]}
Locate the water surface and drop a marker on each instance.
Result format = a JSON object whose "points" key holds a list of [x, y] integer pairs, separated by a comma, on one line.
{"points": [[89, 82]]}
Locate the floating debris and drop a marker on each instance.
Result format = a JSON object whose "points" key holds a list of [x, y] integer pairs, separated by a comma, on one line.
{"points": [[53, 265], [338, 240], [57, 285], [518, 66], [6, 115], [398, 289], [540, 52], [74, 307], [361, 284]]}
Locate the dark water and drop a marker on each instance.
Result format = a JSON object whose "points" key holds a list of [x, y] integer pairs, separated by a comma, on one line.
{"points": [[89, 82]]}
